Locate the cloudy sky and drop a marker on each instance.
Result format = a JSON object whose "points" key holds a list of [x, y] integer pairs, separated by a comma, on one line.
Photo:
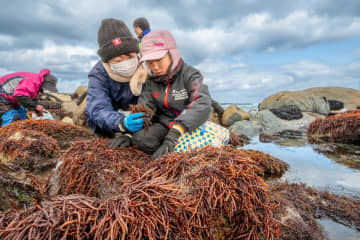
{"points": [[246, 49]]}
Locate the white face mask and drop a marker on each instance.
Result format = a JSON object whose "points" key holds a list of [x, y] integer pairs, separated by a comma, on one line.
{"points": [[125, 68]]}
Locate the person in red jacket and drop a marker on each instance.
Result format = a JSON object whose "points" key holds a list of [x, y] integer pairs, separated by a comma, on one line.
{"points": [[20, 91], [174, 90]]}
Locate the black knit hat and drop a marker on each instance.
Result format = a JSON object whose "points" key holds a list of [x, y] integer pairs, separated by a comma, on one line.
{"points": [[142, 23], [114, 39]]}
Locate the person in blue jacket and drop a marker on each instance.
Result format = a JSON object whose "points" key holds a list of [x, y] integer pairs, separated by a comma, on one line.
{"points": [[141, 28], [115, 82]]}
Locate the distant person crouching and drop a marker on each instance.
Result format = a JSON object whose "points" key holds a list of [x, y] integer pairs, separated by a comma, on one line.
{"points": [[20, 91], [141, 28]]}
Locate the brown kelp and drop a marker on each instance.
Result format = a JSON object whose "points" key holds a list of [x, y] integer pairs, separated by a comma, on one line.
{"points": [[64, 133], [269, 166], [27, 149], [238, 140], [341, 128], [211, 193], [88, 165], [149, 113]]}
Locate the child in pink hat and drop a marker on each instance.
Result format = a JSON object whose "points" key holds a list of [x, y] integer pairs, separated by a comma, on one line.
{"points": [[174, 90]]}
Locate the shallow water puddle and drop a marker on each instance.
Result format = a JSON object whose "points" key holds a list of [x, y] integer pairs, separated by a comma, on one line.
{"points": [[319, 171], [337, 231], [312, 168]]}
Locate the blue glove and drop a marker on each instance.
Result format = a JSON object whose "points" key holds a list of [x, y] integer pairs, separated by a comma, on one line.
{"points": [[133, 122]]}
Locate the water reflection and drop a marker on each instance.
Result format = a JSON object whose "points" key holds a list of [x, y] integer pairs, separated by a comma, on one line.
{"points": [[348, 155], [312, 168], [337, 231]]}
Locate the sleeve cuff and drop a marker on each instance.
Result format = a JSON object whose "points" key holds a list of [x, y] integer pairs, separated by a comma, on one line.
{"points": [[178, 127], [121, 126]]}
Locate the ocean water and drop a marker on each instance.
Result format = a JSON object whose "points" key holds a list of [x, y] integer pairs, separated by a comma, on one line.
{"points": [[244, 106]]}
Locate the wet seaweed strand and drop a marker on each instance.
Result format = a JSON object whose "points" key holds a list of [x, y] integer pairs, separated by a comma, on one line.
{"points": [[149, 113]]}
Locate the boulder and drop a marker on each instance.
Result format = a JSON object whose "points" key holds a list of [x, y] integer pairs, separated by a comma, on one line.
{"points": [[249, 128], [80, 93], [216, 112], [307, 102], [273, 125], [350, 97], [233, 114], [79, 116]]}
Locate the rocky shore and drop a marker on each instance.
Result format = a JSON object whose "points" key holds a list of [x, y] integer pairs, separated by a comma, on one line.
{"points": [[58, 180]]}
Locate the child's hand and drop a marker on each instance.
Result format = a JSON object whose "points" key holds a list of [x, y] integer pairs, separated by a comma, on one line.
{"points": [[133, 122]]}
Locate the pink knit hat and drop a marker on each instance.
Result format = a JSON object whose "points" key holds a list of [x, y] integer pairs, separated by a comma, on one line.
{"points": [[156, 44]]}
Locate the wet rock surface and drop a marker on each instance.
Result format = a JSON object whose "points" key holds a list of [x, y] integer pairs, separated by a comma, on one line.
{"points": [[300, 206], [306, 102], [273, 125], [287, 112]]}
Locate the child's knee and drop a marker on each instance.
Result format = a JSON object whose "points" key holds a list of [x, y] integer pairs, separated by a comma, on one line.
{"points": [[146, 142]]}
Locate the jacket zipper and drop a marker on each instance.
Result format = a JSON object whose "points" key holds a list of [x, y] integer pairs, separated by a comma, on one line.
{"points": [[166, 96]]}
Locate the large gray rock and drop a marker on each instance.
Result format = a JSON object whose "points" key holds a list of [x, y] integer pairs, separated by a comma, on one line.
{"points": [[350, 97], [273, 125], [249, 128], [307, 102]]}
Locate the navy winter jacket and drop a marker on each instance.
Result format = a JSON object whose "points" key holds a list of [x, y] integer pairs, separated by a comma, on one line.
{"points": [[105, 98]]}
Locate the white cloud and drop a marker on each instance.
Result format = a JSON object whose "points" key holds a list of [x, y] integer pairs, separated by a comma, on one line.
{"points": [[55, 57], [265, 31], [305, 69], [6, 40], [235, 76], [208, 35], [246, 83]]}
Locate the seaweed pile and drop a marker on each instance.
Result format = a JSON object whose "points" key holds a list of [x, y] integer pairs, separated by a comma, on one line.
{"points": [[27, 149], [88, 165], [63, 133], [212, 193], [341, 128]]}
